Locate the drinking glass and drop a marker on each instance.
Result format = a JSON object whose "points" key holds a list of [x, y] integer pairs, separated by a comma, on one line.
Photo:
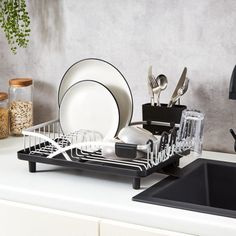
{"points": [[190, 135]]}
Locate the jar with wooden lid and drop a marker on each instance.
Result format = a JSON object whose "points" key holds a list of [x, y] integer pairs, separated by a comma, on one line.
{"points": [[21, 104], [4, 118]]}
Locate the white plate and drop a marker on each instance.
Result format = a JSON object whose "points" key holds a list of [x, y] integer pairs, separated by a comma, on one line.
{"points": [[106, 74], [89, 105]]}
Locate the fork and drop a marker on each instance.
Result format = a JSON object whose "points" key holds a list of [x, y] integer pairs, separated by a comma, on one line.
{"points": [[155, 87], [151, 84]]}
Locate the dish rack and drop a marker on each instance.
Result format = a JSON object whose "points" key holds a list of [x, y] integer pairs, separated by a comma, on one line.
{"points": [[45, 143]]}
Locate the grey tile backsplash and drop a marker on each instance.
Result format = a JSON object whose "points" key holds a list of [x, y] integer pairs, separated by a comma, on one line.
{"points": [[133, 34]]}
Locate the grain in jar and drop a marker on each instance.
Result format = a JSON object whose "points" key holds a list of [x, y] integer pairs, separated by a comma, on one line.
{"points": [[21, 104], [4, 118]]}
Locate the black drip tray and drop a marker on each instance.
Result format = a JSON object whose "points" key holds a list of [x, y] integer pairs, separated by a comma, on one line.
{"points": [[206, 186]]}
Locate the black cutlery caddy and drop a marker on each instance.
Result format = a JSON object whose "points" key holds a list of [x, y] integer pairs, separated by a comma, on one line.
{"points": [[163, 114]]}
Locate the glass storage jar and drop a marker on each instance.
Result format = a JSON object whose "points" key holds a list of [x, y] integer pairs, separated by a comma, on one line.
{"points": [[21, 104], [4, 118]]}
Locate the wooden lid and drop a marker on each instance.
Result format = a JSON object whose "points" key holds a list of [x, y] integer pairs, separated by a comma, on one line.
{"points": [[3, 96], [20, 82]]}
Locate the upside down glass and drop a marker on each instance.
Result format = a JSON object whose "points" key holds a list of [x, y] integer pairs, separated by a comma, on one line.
{"points": [[190, 133]]}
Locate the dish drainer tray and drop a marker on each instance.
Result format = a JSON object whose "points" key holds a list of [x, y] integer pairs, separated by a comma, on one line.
{"points": [[46, 144]]}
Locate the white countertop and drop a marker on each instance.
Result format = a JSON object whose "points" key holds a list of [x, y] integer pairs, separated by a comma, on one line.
{"points": [[100, 195]]}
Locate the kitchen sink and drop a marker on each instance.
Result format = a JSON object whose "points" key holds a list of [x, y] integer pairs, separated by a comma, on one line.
{"points": [[206, 186]]}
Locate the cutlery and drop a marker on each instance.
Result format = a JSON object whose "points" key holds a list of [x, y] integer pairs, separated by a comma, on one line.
{"points": [[179, 88], [150, 85], [183, 90], [154, 85], [162, 81]]}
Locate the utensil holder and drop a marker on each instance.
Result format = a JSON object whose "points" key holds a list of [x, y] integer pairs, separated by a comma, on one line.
{"points": [[161, 113]]}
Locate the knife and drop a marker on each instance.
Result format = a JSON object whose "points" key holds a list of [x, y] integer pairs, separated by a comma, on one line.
{"points": [[150, 91], [178, 86]]}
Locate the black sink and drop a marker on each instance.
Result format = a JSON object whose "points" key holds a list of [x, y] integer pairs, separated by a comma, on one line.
{"points": [[205, 186]]}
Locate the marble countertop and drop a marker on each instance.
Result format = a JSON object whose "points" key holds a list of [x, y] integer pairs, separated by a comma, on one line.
{"points": [[100, 195]]}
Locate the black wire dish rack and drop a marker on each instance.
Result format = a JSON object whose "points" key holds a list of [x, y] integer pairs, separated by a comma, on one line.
{"points": [[45, 143]]}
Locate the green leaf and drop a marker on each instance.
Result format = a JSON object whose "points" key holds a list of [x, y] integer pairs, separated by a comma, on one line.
{"points": [[15, 22]]}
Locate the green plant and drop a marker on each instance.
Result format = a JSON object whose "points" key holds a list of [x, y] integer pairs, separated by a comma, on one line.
{"points": [[15, 22]]}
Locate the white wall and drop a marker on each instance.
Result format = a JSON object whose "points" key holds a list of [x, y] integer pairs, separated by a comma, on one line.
{"points": [[133, 34]]}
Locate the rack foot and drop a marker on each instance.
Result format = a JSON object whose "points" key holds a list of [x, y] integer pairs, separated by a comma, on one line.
{"points": [[136, 183], [32, 166]]}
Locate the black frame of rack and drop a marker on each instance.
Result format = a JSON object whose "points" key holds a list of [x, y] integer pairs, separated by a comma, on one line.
{"points": [[153, 116], [168, 167]]}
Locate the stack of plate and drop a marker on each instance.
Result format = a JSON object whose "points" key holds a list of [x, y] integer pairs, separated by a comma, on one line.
{"points": [[94, 95]]}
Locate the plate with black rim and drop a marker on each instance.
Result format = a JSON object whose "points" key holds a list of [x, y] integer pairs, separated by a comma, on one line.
{"points": [[106, 74], [89, 105]]}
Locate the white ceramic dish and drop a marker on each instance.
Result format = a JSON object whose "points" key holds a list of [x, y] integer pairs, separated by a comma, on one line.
{"points": [[89, 105], [105, 73], [108, 151], [137, 135]]}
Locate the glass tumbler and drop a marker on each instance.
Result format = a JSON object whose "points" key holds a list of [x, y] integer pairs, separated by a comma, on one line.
{"points": [[190, 133]]}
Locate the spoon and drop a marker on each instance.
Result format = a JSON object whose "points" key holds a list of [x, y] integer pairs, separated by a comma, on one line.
{"points": [[162, 82]]}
